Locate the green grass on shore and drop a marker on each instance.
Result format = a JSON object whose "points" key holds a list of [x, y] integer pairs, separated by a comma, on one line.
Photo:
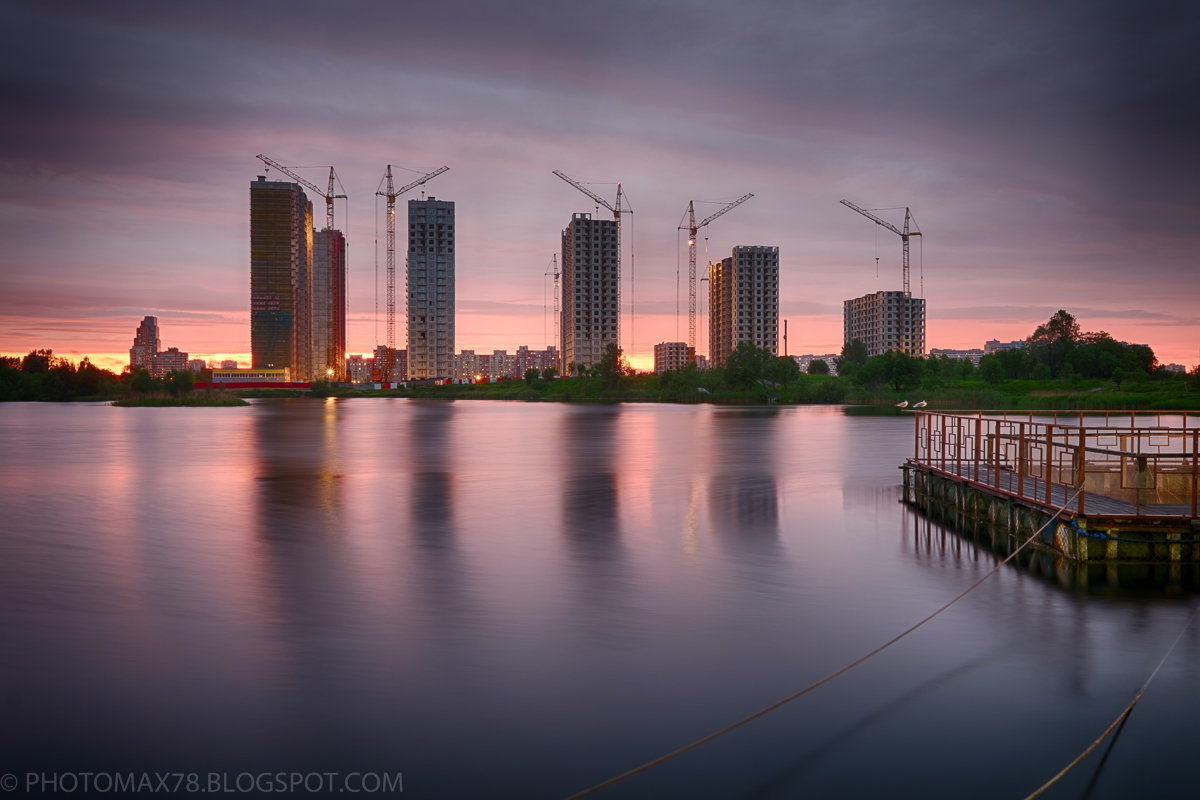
{"points": [[190, 399]]}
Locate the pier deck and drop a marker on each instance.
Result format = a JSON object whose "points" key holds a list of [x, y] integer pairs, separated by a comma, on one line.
{"points": [[1122, 488]]}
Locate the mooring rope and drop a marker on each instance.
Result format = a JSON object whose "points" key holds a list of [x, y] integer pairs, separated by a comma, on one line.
{"points": [[763, 712], [1120, 717]]}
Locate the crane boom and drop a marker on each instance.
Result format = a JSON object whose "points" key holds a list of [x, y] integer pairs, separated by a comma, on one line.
{"points": [[909, 223], [693, 229], [729, 207], [328, 195], [391, 194], [600, 201]]}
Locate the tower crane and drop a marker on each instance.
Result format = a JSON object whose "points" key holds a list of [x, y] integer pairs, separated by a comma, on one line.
{"points": [[692, 227], [328, 195], [910, 229], [391, 193], [910, 226], [553, 269], [617, 212], [600, 201]]}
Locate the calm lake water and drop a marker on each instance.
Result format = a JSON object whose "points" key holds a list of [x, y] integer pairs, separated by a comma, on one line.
{"points": [[522, 600]]}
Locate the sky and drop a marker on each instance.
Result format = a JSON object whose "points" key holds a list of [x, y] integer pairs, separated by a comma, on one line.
{"points": [[1048, 153]]}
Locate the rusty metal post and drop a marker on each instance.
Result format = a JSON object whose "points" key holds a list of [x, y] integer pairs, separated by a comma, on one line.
{"points": [[942, 462], [1081, 474], [1195, 463], [917, 438], [1048, 461], [978, 443], [1022, 454], [958, 445]]}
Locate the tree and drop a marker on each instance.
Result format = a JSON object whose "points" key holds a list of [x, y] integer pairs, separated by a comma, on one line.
{"points": [[991, 367], [854, 356], [1052, 343], [893, 368], [782, 370], [549, 373], [531, 376], [140, 381], [818, 367], [746, 365], [37, 361], [612, 367]]}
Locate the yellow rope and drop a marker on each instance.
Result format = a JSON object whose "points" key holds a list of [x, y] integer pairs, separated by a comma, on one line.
{"points": [[1120, 717], [692, 746]]}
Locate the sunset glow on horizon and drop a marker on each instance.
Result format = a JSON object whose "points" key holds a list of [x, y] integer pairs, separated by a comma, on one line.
{"points": [[1045, 172]]}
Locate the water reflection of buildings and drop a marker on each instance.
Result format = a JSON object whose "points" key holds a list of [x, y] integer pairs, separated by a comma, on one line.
{"points": [[743, 497], [299, 485], [590, 502], [439, 579], [431, 502], [599, 575]]}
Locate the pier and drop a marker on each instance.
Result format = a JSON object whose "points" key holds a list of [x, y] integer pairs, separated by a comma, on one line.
{"points": [[1109, 487]]}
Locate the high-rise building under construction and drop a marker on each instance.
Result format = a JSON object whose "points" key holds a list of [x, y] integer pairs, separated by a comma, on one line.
{"points": [[591, 289], [329, 305], [281, 276], [744, 302], [886, 321], [430, 292]]}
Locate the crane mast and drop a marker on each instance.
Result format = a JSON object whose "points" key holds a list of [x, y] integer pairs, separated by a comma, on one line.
{"points": [[328, 194], [391, 193], [693, 229]]}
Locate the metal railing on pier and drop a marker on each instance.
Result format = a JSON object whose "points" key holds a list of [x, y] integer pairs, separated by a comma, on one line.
{"points": [[1123, 464]]}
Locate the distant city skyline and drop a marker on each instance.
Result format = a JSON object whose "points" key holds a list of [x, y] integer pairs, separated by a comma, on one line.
{"points": [[1046, 153]]}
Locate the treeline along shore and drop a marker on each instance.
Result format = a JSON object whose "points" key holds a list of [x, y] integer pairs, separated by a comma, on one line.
{"points": [[1059, 367]]}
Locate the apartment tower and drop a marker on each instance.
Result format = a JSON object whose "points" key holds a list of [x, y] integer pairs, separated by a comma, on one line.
{"points": [[886, 321], [281, 276], [591, 289], [430, 292], [145, 344], [743, 302], [329, 305]]}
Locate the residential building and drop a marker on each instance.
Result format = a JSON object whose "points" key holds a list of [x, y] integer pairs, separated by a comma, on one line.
{"points": [[467, 366], [501, 365], [540, 360], [806, 360], [281, 271], [995, 345], [430, 289], [358, 369], [591, 289], [670, 356], [886, 321], [145, 353], [168, 361], [145, 344], [973, 355], [329, 305], [744, 301]]}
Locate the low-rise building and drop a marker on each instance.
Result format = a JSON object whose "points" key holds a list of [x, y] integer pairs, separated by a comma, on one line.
{"points": [[670, 356]]}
